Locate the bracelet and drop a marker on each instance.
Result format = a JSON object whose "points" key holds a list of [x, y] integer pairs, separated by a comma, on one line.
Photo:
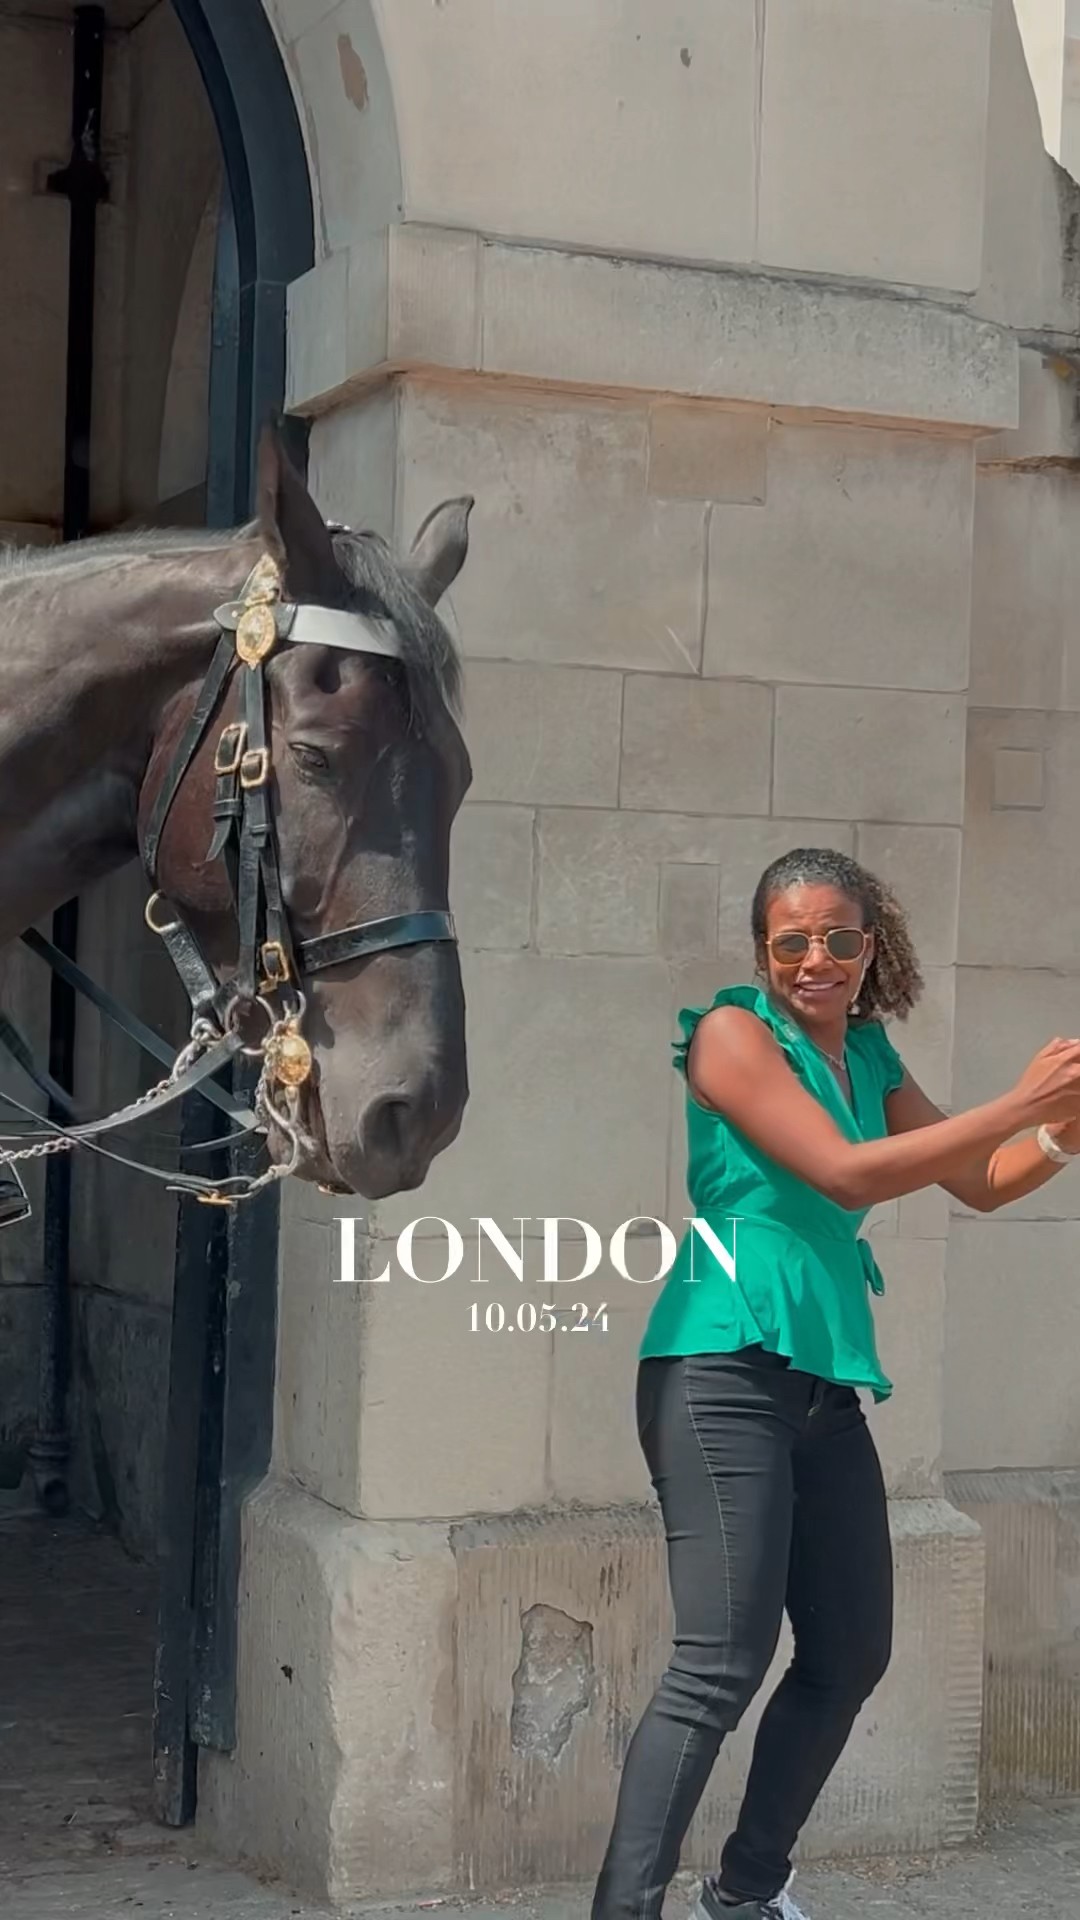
{"points": [[1050, 1147]]}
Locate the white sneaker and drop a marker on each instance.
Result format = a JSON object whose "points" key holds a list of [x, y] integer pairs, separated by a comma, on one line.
{"points": [[709, 1906]]}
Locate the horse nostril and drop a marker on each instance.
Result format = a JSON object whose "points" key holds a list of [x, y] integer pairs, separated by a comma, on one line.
{"points": [[386, 1128]]}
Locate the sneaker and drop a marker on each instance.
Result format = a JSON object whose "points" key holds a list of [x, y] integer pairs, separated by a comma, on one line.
{"points": [[711, 1906]]}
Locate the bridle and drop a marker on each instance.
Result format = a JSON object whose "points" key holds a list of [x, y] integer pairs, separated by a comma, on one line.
{"points": [[271, 966]]}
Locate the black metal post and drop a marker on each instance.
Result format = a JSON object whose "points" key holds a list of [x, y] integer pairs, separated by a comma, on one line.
{"points": [[83, 184]]}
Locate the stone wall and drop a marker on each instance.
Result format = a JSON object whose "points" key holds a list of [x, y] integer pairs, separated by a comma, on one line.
{"points": [[723, 331]]}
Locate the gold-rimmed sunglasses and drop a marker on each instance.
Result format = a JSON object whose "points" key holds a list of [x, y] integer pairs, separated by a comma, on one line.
{"points": [[840, 943]]}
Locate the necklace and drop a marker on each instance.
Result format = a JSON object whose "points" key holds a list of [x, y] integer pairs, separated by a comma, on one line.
{"points": [[840, 1065]]}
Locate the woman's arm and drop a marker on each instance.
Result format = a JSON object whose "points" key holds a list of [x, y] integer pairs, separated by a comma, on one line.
{"points": [[735, 1067], [993, 1179]]}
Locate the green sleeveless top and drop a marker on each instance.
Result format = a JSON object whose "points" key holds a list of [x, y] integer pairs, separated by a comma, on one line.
{"points": [[802, 1277]]}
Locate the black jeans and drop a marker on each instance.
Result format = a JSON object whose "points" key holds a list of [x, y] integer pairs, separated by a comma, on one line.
{"points": [[772, 1497]]}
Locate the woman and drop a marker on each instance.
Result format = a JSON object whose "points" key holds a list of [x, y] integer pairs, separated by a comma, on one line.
{"points": [[800, 1117]]}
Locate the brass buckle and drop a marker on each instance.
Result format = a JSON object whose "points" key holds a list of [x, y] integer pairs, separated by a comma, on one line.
{"points": [[216, 1199], [276, 969], [255, 768], [148, 916], [230, 748]]}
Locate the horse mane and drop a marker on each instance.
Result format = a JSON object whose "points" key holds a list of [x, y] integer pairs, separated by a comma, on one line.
{"points": [[381, 590]]}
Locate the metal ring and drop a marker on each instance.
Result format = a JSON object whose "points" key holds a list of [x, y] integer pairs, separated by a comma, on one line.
{"points": [[171, 926]]}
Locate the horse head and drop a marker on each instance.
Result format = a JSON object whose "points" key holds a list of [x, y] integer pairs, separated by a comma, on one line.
{"points": [[367, 769]]}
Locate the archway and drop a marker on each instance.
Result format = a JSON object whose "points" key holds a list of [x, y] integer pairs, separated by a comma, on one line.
{"points": [[192, 277]]}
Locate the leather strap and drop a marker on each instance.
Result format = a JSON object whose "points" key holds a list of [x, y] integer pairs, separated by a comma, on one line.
{"points": [[129, 1023], [374, 936], [220, 668]]}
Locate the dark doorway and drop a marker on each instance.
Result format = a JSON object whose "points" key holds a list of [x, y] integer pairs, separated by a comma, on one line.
{"points": [[147, 1343]]}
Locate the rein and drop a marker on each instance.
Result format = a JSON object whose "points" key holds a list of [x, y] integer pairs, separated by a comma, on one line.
{"points": [[271, 965]]}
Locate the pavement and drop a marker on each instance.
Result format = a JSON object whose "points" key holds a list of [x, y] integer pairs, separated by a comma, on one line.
{"points": [[1026, 1863]]}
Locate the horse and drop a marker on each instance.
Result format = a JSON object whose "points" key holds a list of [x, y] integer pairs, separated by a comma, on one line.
{"points": [[129, 728]]}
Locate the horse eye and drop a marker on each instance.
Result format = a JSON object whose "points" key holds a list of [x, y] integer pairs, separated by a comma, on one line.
{"points": [[309, 759]]}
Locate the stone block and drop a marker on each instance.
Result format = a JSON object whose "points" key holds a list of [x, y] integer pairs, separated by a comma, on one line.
{"points": [[598, 1461], [568, 1068], [309, 1427], [601, 887], [830, 120], [1012, 1317], [691, 746], [343, 1777], [543, 736], [317, 340], [910, 1322], [353, 465], [1003, 1017], [925, 1040], [855, 573], [689, 909], [740, 336], [491, 876], [434, 316], [926, 1215], [922, 866], [1014, 910], [634, 102], [869, 755], [592, 1590], [339, 63], [479, 1442], [1019, 779], [1030, 1523], [572, 563], [702, 453], [1025, 572], [1046, 425]]}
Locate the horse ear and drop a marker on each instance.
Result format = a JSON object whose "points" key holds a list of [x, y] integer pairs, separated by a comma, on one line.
{"points": [[440, 549], [293, 529]]}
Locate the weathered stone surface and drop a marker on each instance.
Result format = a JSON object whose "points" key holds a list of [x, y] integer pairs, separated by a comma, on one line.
{"points": [[1030, 1522], [908, 1778], [1003, 1017], [543, 735], [689, 909], [572, 562], [1012, 1316], [702, 453], [568, 1070], [1019, 779], [690, 746], [601, 890], [491, 876], [857, 570], [433, 298], [1025, 572], [1014, 911], [869, 755], [343, 1776], [873, 91], [598, 1460], [543, 104], [925, 1040], [742, 336], [318, 343], [922, 866], [353, 466], [339, 63], [910, 1321], [478, 1443]]}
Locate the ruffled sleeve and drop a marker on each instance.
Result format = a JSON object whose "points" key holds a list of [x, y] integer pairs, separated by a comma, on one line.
{"points": [[876, 1047], [754, 1001]]}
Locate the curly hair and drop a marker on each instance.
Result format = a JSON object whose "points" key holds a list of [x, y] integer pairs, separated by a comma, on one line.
{"points": [[893, 981]]}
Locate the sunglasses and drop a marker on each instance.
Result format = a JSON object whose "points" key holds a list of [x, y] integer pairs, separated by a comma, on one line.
{"points": [[840, 943]]}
